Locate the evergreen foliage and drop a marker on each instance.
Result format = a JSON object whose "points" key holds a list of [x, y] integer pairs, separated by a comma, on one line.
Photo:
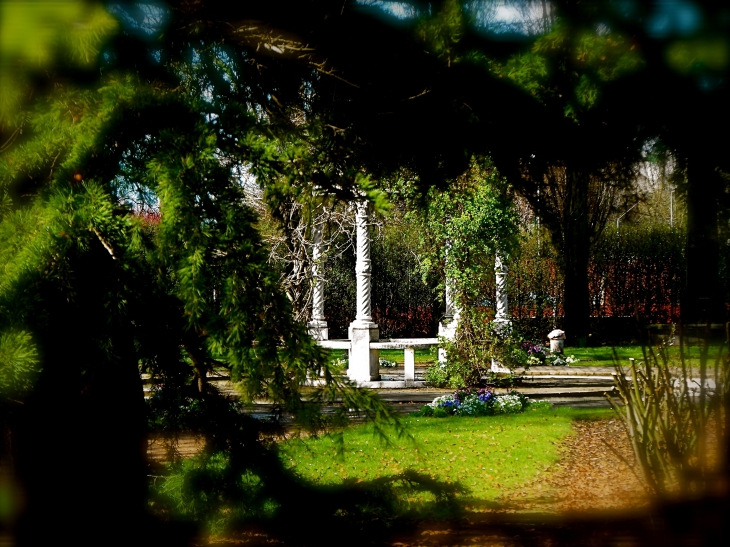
{"points": [[127, 247], [18, 365]]}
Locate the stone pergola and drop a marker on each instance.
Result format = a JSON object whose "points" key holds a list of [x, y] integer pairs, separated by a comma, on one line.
{"points": [[364, 342]]}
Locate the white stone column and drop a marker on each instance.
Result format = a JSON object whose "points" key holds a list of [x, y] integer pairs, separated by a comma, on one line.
{"points": [[363, 267], [447, 326], [501, 319], [318, 325], [363, 361]]}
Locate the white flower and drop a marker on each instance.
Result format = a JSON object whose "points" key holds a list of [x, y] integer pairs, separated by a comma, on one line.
{"points": [[444, 400], [506, 404]]}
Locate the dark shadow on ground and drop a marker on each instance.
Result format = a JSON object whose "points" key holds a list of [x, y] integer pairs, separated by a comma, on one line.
{"points": [[680, 524]]}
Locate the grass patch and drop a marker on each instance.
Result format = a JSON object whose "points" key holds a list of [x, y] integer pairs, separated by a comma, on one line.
{"points": [[485, 456], [423, 356], [604, 356], [589, 356]]}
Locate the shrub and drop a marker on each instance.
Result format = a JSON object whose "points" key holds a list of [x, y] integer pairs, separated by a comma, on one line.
{"points": [[667, 408], [440, 413], [426, 410], [437, 374], [454, 372], [479, 341]]}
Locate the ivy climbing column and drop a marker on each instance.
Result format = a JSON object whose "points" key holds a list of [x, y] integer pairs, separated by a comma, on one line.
{"points": [[363, 361], [500, 273], [447, 325]]}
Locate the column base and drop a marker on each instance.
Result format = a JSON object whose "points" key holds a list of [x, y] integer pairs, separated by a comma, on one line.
{"points": [[318, 330], [364, 362], [499, 368]]}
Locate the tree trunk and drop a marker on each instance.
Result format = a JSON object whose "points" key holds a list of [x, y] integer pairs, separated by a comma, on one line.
{"points": [[702, 302], [576, 251]]}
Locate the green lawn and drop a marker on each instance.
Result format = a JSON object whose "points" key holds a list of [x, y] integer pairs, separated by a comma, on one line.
{"points": [[604, 356], [595, 356], [589, 356], [486, 456]]}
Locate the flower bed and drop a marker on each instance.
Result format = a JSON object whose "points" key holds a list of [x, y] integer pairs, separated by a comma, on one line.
{"points": [[476, 402], [540, 355]]}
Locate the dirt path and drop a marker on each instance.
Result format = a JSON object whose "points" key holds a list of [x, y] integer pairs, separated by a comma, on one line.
{"points": [[591, 475], [591, 497]]}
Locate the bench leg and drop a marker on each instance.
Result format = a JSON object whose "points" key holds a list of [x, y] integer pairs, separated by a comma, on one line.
{"points": [[409, 362]]}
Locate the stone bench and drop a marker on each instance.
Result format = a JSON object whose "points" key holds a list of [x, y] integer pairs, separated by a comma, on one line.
{"points": [[408, 345], [334, 344]]}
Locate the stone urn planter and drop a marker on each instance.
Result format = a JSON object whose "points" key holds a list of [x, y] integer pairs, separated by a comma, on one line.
{"points": [[557, 341]]}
